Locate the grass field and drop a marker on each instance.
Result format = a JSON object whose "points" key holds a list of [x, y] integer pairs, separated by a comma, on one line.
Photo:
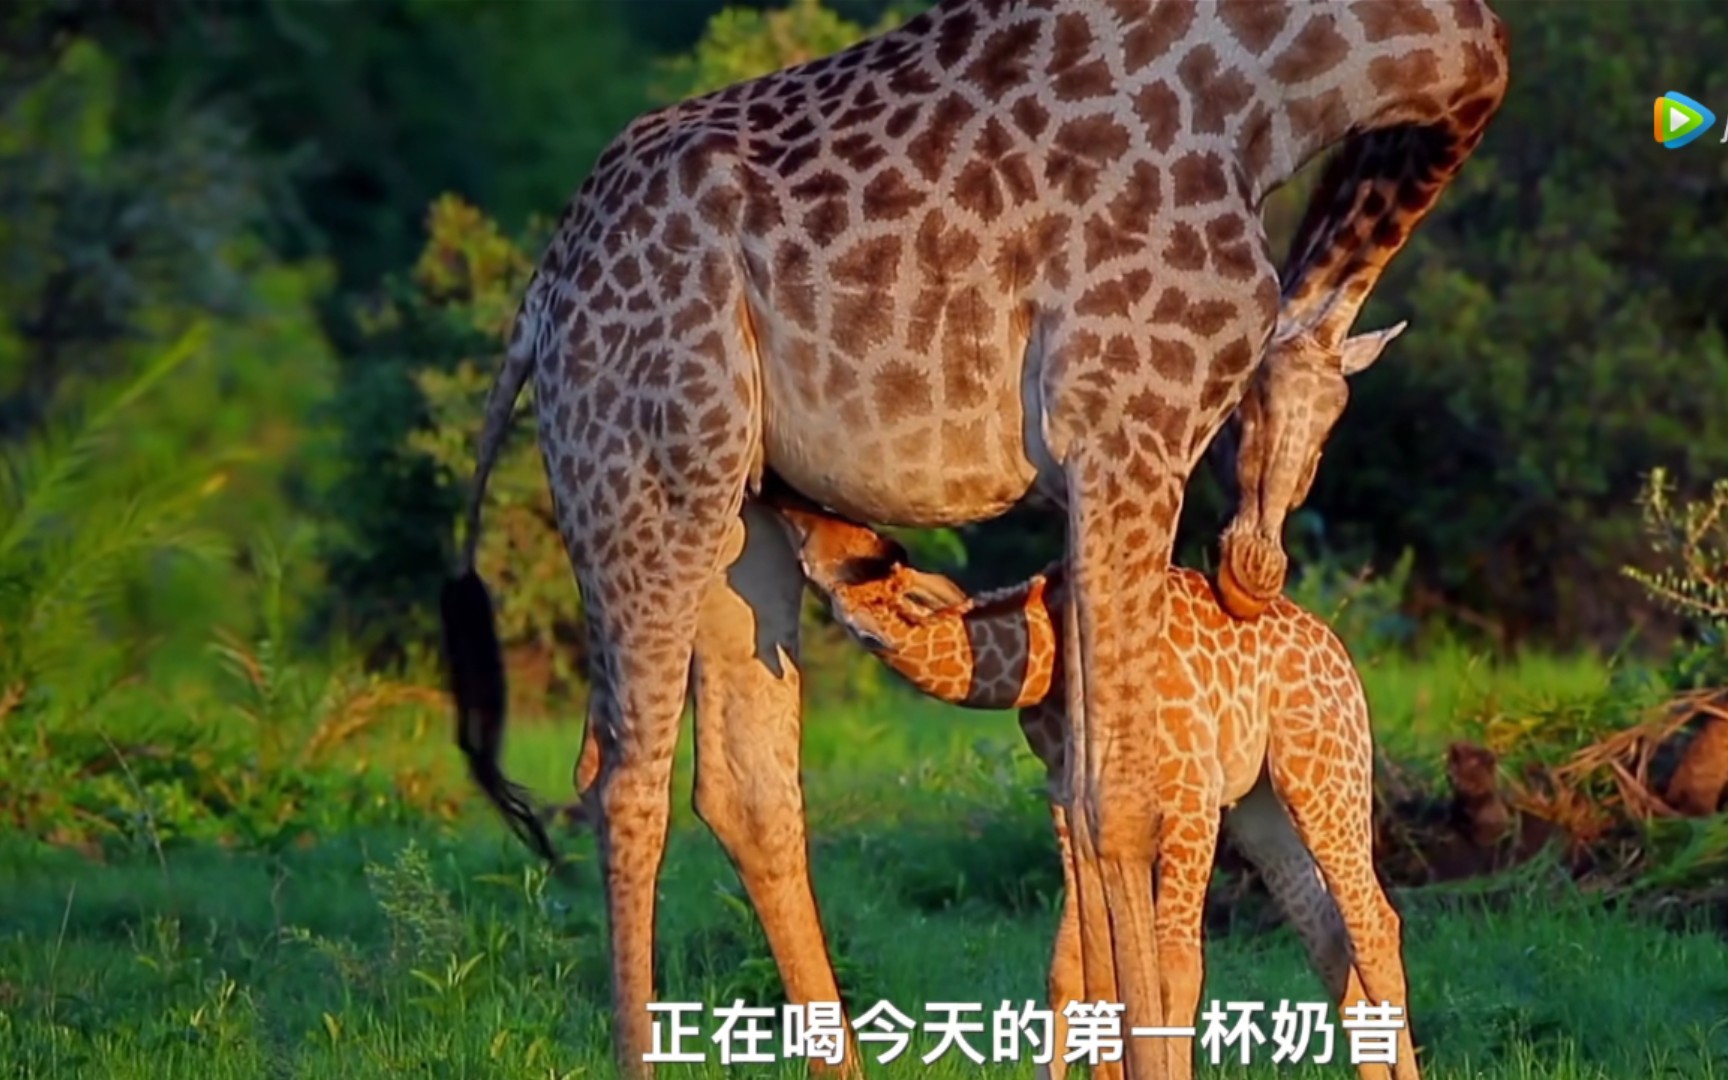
{"points": [[392, 941]]}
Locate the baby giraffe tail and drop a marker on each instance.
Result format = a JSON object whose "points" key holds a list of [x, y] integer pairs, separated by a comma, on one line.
{"points": [[473, 658]]}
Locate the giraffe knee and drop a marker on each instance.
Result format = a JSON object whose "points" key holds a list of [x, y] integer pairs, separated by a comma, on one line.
{"points": [[1126, 822], [763, 811]]}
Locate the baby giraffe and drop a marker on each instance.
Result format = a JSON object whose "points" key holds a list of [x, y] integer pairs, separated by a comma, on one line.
{"points": [[1262, 719]]}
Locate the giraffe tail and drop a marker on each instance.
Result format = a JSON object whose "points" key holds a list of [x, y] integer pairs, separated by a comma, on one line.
{"points": [[473, 658], [519, 359]]}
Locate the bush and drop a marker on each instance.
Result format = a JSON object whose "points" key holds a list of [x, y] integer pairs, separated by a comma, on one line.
{"points": [[1565, 337], [73, 534], [127, 218], [1691, 541], [409, 413]]}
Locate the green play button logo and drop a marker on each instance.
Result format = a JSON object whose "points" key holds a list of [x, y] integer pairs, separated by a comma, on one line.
{"points": [[1679, 120]]}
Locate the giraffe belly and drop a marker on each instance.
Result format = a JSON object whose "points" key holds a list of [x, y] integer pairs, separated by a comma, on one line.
{"points": [[862, 479], [896, 437], [1242, 743]]}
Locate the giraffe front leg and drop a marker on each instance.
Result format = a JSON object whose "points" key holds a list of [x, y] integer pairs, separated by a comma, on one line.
{"points": [[1123, 511], [749, 721]]}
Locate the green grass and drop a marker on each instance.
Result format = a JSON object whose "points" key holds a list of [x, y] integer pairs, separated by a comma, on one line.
{"points": [[437, 949]]}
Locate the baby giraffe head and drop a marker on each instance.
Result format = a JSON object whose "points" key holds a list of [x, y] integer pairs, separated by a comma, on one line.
{"points": [[1293, 401], [868, 579]]}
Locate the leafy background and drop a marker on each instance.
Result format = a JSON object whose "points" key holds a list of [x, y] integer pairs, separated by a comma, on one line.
{"points": [[284, 241]]}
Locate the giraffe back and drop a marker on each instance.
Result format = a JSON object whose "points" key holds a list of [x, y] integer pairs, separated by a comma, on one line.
{"points": [[1254, 681]]}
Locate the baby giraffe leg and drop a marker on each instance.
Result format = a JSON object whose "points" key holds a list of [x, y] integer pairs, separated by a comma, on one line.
{"points": [[1190, 786], [1042, 726], [1335, 821], [1263, 832]]}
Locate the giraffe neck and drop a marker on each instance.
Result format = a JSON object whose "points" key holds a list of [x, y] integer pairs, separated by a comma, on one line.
{"points": [[1268, 84], [1000, 649]]}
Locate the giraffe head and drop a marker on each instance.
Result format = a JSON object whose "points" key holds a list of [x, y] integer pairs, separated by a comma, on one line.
{"points": [[872, 589], [1293, 401]]}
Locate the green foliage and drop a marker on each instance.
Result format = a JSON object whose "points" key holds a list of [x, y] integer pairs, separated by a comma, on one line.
{"points": [[108, 234], [270, 752], [74, 530], [382, 107], [1565, 335], [409, 414], [1365, 609], [1691, 541], [742, 43], [124, 224]]}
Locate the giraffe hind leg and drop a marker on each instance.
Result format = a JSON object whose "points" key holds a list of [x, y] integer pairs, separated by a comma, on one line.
{"points": [[637, 694], [749, 721], [1335, 821], [646, 539], [748, 724], [1267, 838]]}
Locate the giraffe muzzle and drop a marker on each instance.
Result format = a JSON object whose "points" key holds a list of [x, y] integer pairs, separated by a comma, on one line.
{"points": [[1251, 572]]}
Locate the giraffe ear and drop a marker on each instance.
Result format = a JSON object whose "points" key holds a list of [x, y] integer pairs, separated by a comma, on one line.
{"points": [[932, 593], [1361, 350]]}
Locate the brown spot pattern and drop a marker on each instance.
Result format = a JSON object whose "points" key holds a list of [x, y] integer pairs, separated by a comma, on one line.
{"points": [[889, 197], [1409, 71], [1198, 179], [1160, 114], [1152, 29], [1218, 93], [1385, 19], [1317, 48], [1255, 23], [1005, 61], [930, 149]]}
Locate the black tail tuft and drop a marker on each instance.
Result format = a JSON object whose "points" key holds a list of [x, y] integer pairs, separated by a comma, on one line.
{"points": [[474, 666], [473, 659]]}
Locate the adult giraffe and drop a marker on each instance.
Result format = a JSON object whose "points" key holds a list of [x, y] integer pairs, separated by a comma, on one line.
{"points": [[1008, 252]]}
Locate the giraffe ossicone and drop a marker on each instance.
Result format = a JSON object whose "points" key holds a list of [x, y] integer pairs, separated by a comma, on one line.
{"points": [[1010, 252]]}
